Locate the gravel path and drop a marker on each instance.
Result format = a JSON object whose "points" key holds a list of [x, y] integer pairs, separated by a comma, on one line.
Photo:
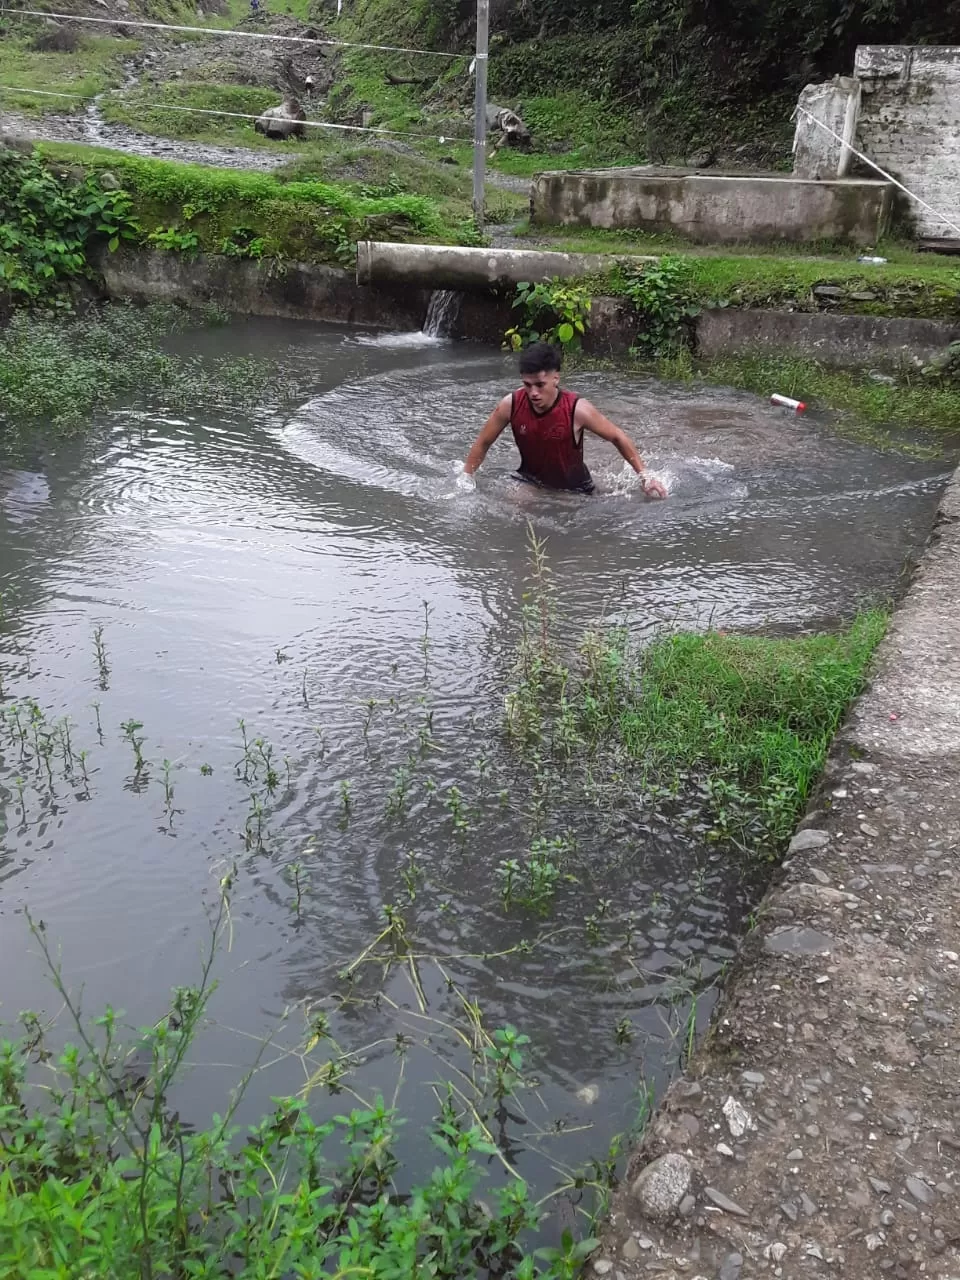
{"points": [[818, 1132]]}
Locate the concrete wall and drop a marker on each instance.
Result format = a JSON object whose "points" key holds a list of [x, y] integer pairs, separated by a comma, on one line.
{"points": [[713, 208], [910, 124], [298, 291], [881, 342], [304, 292], [817, 153]]}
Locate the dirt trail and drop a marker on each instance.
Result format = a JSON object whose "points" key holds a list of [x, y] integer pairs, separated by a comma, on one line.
{"points": [[818, 1132]]}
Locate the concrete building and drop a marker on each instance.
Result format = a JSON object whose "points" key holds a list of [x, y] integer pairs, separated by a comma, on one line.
{"points": [[901, 109]]}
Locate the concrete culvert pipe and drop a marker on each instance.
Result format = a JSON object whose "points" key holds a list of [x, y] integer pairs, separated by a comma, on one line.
{"points": [[440, 266]]}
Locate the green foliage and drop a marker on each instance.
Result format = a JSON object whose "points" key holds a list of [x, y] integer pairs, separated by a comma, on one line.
{"points": [[554, 312], [533, 882], [174, 239], [738, 724], [660, 292], [99, 1176], [62, 371], [242, 242], [50, 224], [304, 220]]}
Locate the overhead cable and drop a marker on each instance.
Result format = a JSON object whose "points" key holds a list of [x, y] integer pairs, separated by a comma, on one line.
{"points": [[219, 31], [235, 115]]}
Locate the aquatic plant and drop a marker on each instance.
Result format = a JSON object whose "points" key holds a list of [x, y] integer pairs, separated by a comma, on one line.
{"points": [[742, 723], [97, 1168], [60, 371]]}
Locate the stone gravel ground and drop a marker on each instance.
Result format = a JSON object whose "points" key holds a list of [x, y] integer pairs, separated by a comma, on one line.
{"points": [[818, 1131]]}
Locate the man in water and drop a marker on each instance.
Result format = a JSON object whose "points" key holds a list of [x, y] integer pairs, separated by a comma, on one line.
{"points": [[548, 425]]}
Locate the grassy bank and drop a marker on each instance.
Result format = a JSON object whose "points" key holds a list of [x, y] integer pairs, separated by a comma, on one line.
{"points": [[736, 727], [794, 278], [302, 218], [911, 413], [84, 65]]}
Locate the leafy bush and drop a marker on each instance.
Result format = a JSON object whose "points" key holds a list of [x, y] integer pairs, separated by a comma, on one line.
{"points": [[660, 292], [174, 239], [50, 225], [555, 312]]}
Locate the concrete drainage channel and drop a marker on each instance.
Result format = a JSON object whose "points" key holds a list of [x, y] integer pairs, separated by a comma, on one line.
{"points": [[818, 1129]]}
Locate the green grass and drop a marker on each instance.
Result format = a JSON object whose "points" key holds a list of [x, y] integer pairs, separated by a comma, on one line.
{"points": [[96, 65], [742, 723], [142, 109], [766, 708], [915, 285], [308, 220]]}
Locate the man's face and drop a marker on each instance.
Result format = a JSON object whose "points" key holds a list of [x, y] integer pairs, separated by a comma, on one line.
{"points": [[542, 387]]}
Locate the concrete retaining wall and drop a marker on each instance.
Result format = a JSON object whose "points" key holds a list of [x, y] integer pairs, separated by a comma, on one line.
{"points": [[847, 341], [712, 208], [305, 292], [298, 291]]}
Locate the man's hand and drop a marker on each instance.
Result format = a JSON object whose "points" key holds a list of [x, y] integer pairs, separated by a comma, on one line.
{"points": [[653, 488]]}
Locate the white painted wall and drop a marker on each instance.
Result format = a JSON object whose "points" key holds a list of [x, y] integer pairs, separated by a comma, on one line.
{"points": [[909, 122]]}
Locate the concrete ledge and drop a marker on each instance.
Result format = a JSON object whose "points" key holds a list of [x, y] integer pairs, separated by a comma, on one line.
{"points": [[818, 1132], [714, 208], [297, 291], [882, 341], [443, 266], [301, 291]]}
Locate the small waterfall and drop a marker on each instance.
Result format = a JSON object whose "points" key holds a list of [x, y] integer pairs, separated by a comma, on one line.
{"points": [[442, 313]]}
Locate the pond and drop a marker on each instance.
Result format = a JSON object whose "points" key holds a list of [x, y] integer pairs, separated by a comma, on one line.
{"points": [[317, 576]]}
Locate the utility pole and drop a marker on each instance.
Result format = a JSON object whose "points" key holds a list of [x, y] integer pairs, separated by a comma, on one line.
{"points": [[480, 110]]}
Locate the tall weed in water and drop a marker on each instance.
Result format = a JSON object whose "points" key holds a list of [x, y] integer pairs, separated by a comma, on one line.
{"points": [[98, 1175], [742, 723], [62, 371]]}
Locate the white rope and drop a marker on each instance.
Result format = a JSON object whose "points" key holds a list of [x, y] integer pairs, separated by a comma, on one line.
{"points": [[235, 115], [883, 173], [243, 35]]}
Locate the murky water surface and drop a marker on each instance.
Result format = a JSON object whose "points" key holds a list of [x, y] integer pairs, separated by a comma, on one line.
{"points": [[274, 569]]}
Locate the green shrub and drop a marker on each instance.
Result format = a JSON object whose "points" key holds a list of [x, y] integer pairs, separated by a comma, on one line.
{"points": [[50, 224]]}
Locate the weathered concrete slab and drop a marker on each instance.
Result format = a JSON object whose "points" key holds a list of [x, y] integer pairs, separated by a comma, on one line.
{"points": [[886, 342], [845, 1063], [714, 208]]}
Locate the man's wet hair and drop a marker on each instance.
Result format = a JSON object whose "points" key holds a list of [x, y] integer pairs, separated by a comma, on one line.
{"points": [[541, 357]]}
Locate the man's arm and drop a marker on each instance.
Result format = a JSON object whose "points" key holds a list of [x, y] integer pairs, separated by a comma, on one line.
{"points": [[494, 426], [588, 417]]}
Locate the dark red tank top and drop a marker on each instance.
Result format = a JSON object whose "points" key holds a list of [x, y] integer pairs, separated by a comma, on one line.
{"points": [[550, 453]]}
